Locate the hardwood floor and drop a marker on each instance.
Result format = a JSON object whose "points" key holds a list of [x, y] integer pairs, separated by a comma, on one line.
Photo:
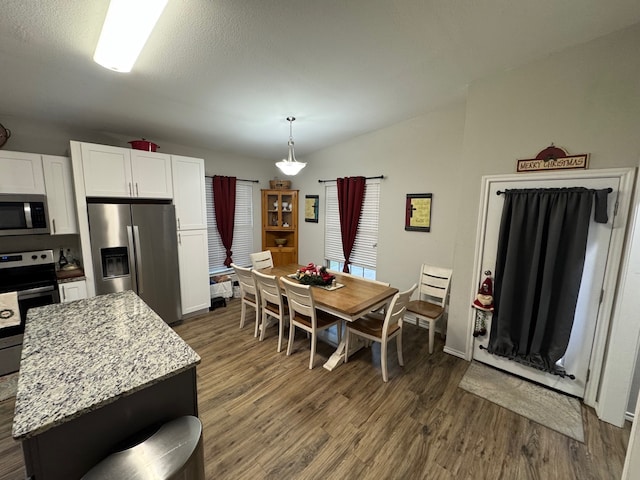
{"points": [[267, 415]]}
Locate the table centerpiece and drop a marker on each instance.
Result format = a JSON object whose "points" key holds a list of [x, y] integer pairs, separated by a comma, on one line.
{"points": [[314, 275]]}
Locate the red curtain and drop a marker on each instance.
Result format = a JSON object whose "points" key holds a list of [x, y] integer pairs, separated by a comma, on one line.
{"points": [[350, 199], [224, 202]]}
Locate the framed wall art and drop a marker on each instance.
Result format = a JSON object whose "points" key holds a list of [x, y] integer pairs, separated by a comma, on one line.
{"points": [[311, 208], [418, 212]]}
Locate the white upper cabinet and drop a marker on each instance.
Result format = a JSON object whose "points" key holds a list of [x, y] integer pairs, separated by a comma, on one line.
{"points": [[58, 182], [124, 173], [21, 173], [151, 172], [189, 195]]}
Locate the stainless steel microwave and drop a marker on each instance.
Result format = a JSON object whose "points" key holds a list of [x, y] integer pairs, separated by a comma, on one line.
{"points": [[23, 214]]}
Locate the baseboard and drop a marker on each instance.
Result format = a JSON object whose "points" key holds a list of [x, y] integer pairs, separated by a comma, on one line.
{"points": [[455, 353]]}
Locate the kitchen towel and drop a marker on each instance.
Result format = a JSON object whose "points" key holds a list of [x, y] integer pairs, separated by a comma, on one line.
{"points": [[9, 310]]}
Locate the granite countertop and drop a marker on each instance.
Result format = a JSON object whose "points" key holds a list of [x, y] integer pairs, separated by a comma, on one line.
{"points": [[79, 356]]}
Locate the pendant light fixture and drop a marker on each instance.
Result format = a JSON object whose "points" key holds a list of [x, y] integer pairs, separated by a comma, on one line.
{"points": [[289, 165]]}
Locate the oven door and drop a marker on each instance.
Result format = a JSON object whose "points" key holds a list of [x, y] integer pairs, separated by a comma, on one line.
{"points": [[30, 298]]}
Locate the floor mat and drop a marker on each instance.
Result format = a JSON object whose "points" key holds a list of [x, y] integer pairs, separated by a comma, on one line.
{"points": [[553, 410]]}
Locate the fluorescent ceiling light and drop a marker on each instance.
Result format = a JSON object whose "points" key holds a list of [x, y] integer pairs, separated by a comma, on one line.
{"points": [[125, 31]]}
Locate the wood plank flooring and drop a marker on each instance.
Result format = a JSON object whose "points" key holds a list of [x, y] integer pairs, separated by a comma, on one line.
{"points": [[267, 416]]}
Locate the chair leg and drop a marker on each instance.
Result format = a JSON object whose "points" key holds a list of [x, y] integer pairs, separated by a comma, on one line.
{"points": [[313, 350], [243, 311], [383, 359], [292, 333], [255, 331], [263, 325], [280, 333], [432, 335], [399, 348]]}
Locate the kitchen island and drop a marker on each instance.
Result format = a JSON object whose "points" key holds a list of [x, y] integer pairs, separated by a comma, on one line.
{"points": [[94, 373]]}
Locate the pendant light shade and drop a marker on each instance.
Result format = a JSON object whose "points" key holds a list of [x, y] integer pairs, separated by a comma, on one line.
{"points": [[290, 166]]}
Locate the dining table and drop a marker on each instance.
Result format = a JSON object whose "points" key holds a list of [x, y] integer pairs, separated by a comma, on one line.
{"points": [[349, 299]]}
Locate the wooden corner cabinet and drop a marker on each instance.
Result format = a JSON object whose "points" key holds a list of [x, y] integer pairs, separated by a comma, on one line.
{"points": [[280, 225]]}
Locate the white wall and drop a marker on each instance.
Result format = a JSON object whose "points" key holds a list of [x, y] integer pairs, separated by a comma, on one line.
{"points": [[421, 155]]}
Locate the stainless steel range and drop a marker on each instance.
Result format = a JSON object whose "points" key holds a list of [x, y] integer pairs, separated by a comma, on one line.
{"points": [[33, 276]]}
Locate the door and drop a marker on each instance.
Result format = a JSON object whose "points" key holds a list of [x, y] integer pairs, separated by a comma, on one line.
{"points": [[72, 291], [107, 171], [577, 358], [194, 270], [111, 247], [151, 172], [189, 194], [60, 198], [21, 173], [156, 254]]}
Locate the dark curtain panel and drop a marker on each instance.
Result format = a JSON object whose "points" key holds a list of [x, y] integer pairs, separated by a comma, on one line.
{"points": [[350, 198], [541, 251], [224, 202]]}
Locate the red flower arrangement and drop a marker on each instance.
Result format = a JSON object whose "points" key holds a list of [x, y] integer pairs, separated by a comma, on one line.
{"points": [[314, 275]]}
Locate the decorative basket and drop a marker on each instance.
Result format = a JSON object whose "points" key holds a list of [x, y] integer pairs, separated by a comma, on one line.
{"points": [[280, 184]]}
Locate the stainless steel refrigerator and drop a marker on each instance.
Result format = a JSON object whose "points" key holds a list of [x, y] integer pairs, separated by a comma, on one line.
{"points": [[134, 247]]}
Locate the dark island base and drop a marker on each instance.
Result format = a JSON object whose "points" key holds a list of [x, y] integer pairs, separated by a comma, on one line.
{"points": [[70, 450]]}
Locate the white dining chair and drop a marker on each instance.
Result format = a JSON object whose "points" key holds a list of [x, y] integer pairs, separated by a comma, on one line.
{"points": [[260, 260], [433, 289], [382, 329], [249, 295], [272, 304], [303, 314]]}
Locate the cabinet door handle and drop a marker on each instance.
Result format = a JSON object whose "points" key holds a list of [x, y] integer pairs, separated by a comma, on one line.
{"points": [[64, 297], [130, 191], [137, 192], [179, 239], [179, 224], [53, 223]]}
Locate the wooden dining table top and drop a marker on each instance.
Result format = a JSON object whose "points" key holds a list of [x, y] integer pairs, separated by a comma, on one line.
{"points": [[356, 298]]}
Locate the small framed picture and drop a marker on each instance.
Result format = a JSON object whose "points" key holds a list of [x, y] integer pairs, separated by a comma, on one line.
{"points": [[311, 208], [418, 212]]}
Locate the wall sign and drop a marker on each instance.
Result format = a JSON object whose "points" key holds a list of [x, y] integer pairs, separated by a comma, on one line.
{"points": [[553, 158], [311, 208], [418, 212]]}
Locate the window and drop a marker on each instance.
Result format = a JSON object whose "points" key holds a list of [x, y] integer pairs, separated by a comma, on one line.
{"points": [[242, 228], [364, 254]]}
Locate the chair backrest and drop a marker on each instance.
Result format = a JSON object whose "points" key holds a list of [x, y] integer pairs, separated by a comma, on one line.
{"points": [[395, 312], [300, 298], [246, 281], [269, 289], [434, 283], [261, 260]]}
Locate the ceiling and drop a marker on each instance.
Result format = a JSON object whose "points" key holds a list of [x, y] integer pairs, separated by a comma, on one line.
{"points": [[224, 74]]}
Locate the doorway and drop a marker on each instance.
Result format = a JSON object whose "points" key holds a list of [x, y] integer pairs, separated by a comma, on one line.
{"points": [[583, 358]]}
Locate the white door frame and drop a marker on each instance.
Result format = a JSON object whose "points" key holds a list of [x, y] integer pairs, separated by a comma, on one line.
{"points": [[626, 178]]}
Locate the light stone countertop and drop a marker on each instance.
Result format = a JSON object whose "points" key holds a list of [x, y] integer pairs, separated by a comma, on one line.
{"points": [[82, 355]]}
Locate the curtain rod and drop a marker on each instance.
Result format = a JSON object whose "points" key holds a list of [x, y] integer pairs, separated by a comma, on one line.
{"points": [[366, 178], [609, 190], [238, 179]]}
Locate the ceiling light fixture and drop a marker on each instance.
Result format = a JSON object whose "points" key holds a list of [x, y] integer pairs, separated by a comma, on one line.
{"points": [[125, 31], [290, 166]]}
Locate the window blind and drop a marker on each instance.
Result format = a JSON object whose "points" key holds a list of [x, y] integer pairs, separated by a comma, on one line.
{"points": [[242, 228], [364, 251]]}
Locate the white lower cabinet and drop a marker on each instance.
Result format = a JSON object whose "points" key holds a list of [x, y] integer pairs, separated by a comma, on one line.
{"points": [[70, 291], [193, 262]]}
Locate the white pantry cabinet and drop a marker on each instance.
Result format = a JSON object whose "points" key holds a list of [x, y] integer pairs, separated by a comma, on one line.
{"points": [[21, 173], [58, 181], [125, 173], [188, 192], [194, 270], [70, 291]]}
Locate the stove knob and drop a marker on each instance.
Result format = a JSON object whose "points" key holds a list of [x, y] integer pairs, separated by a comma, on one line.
{"points": [[43, 256], [34, 257]]}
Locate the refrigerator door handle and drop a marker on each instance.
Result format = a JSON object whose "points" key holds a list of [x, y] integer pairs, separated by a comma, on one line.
{"points": [[134, 280], [136, 239]]}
